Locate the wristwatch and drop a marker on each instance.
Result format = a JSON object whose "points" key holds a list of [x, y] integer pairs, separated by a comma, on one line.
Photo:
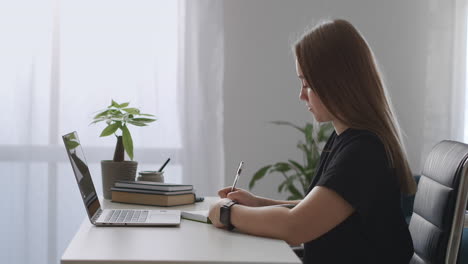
{"points": [[225, 214]]}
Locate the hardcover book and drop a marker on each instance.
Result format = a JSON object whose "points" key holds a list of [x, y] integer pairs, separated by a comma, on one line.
{"points": [[152, 199], [159, 186], [133, 190]]}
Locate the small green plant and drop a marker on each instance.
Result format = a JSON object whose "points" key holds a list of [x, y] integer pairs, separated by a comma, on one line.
{"points": [[294, 173], [118, 117]]}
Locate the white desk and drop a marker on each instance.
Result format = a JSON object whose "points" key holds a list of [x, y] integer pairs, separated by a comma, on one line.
{"points": [[191, 242]]}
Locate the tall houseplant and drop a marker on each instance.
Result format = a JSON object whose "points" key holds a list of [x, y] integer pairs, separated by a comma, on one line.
{"points": [[297, 177], [117, 118]]}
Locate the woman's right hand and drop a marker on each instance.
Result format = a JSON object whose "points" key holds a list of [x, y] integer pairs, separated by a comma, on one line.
{"points": [[241, 196]]}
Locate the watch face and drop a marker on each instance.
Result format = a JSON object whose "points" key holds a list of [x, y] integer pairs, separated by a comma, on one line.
{"points": [[225, 216]]}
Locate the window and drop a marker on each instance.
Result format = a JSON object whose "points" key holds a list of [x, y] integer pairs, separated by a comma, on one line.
{"points": [[58, 67]]}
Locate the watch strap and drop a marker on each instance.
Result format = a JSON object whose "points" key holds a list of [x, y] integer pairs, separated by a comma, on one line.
{"points": [[225, 215]]}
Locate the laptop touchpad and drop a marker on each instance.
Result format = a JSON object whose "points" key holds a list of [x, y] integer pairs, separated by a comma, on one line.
{"points": [[164, 216]]}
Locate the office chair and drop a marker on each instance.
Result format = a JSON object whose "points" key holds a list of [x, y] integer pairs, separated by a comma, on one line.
{"points": [[437, 221]]}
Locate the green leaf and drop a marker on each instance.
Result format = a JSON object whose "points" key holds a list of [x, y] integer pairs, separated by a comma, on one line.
{"points": [[281, 186], [110, 129], [282, 167], [294, 191], [133, 111], [98, 120], [114, 115], [71, 144], [136, 123], [298, 167], [114, 103], [287, 183], [123, 105], [102, 114], [145, 120], [303, 147], [288, 124], [117, 118], [258, 175], [127, 141], [146, 115]]}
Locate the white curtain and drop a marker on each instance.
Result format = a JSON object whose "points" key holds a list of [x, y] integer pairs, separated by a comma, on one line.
{"points": [[201, 94], [63, 60], [444, 99]]}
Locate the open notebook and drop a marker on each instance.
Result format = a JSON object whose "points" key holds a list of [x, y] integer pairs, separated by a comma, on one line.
{"points": [[202, 215]]}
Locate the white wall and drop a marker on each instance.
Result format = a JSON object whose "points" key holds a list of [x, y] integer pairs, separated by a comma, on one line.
{"points": [[261, 84]]}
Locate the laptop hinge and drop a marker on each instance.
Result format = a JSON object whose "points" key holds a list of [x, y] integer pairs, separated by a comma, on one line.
{"points": [[96, 216]]}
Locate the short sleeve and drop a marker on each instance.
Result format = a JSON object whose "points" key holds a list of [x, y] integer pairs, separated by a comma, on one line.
{"points": [[355, 170]]}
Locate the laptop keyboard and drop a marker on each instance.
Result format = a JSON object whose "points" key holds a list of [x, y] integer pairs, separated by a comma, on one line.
{"points": [[127, 216]]}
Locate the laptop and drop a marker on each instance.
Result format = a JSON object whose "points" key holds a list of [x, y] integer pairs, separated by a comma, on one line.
{"points": [[110, 217]]}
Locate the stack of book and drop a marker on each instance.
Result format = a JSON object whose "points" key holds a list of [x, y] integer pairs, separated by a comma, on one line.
{"points": [[152, 193]]}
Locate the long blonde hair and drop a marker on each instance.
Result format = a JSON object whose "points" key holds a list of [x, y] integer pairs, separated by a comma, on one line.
{"points": [[340, 68]]}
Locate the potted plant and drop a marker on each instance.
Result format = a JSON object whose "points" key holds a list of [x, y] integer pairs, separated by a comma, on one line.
{"points": [[117, 118], [297, 177]]}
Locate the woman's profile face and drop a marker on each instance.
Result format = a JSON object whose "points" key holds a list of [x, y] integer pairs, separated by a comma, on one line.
{"points": [[313, 102]]}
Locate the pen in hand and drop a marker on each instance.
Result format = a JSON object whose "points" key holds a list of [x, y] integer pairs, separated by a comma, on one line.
{"points": [[239, 170]]}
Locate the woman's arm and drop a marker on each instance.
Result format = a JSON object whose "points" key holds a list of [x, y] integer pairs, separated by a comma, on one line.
{"points": [[320, 211], [266, 202], [246, 198], [265, 221]]}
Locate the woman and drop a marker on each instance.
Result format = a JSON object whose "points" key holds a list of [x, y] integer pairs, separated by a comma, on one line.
{"points": [[351, 213]]}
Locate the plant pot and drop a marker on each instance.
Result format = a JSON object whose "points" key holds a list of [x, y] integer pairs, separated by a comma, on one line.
{"points": [[115, 171]]}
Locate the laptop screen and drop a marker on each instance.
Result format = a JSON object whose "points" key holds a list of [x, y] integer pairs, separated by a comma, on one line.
{"points": [[82, 174]]}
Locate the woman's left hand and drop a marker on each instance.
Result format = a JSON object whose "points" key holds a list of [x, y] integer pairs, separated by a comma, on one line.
{"points": [[215, 211]]}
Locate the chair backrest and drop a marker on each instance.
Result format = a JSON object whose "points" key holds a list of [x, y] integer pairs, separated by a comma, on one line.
{"points": [[439, 205]]}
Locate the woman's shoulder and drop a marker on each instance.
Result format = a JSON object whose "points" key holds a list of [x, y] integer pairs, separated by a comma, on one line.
{"points": [[360, 142], [352, 135]]}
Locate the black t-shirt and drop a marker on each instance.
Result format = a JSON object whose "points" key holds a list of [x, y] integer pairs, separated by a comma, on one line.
{"points": [[355, 165]]}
